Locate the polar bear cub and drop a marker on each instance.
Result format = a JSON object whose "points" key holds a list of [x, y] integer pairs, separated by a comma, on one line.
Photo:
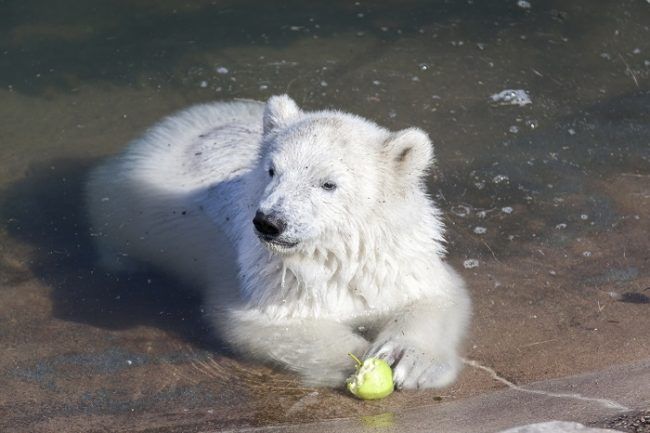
{"points": [[310, 233]]}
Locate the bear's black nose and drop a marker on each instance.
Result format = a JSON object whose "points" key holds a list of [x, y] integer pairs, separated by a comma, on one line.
{"points": [[269, 225]]}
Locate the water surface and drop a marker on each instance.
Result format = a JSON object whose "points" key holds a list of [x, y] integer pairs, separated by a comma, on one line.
{"points": [[551, 200]]}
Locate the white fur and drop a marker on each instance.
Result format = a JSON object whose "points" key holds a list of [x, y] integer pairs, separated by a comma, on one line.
{"points": [[358, 269]]}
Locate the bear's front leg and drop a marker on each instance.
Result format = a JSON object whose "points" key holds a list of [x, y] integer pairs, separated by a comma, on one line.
{"points": [[420, 342], [315, 349]]}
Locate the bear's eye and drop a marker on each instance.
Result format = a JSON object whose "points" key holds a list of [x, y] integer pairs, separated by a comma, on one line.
{"points": [[329, 186], [271, 172]]}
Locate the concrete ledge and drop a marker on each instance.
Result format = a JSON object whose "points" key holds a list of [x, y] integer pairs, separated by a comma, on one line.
{"points": [[581, 398]]}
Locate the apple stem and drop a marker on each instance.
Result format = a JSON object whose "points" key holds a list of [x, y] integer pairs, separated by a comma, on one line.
{"points": [[356, 359]]}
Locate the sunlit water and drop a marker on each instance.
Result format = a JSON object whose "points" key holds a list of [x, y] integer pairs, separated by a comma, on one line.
{"points": [[547, 204]]}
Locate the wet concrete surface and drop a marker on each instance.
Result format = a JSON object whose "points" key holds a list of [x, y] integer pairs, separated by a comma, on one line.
{"points": [[502, 409], [551, 199]]}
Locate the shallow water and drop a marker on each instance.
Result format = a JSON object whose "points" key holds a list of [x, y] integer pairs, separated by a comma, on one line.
{"points": [[550, 199]]}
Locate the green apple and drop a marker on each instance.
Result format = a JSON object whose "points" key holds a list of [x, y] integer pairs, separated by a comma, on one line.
{"points": [[372, 380]]}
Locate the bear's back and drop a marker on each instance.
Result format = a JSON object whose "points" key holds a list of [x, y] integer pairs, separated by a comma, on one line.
{"points": [[203, 145]]}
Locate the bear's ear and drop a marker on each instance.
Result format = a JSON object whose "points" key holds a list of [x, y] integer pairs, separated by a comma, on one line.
{"points": [[410, 152], [279, 111]]}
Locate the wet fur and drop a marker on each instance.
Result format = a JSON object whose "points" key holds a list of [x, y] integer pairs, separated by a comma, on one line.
{"points": [[368, 276]]}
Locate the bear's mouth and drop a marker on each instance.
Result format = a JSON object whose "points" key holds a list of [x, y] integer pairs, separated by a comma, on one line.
{"points": [[277, 245]]}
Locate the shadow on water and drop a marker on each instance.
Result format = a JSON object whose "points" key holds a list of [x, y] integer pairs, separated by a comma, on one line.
{"points": [[79, 41], [45, 210]]}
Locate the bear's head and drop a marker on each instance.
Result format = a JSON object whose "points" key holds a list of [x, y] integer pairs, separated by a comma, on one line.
{"points": [[325, 174]]}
